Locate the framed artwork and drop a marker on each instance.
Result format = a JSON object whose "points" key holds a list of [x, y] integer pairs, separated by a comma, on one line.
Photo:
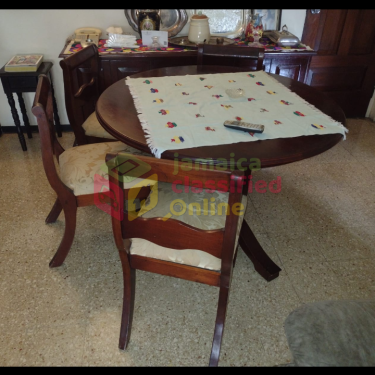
{"points": [[271, 18]]}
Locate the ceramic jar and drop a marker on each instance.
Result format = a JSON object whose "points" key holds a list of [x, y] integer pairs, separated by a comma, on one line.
{"points": [[199, 29]]}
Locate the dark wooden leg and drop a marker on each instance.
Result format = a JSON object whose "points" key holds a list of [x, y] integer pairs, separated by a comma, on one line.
{"points": [[55, 112], [70, 212], [24, 114], [16, 119], [55, 212], [219, 326], [251, 247], [128, 301]]}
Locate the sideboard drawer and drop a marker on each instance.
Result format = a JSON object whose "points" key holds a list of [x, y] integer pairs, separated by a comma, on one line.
{"points": [[22, 82]]}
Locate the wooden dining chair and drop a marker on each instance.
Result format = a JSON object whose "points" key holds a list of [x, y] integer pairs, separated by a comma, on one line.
{"points": [[81, 89], [179, 231], [216, 54], [72, 172]]}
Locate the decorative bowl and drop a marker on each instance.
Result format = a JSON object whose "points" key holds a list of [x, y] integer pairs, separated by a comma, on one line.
{"points": [[235, 93]]}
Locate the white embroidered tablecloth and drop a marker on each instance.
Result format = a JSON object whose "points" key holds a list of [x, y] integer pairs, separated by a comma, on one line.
{"points": [[178, 112]]}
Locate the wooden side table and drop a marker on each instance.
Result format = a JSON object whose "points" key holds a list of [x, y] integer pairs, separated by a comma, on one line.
{"points": [[20, 82]]}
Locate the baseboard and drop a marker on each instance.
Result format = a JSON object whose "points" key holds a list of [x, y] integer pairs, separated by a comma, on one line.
{"points": [[34, 129]]}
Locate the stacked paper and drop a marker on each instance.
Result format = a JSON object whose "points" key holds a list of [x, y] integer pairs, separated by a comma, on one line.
{"points": [[121, 41]]}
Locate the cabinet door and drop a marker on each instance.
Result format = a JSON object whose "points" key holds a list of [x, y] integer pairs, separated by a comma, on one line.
{"points": [[293, 67], [112, 70], [344, 66]]}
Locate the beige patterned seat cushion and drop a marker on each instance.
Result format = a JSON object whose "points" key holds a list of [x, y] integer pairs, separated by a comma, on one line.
{"points": [[78, 165], [206, 220], [93, 128]]}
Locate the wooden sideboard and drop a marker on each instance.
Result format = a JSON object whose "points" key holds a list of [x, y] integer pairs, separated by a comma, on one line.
{"points": [[118, 66]]}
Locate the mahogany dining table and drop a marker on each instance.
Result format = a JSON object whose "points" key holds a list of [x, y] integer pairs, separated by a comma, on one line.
{"points": [[117, 114]]}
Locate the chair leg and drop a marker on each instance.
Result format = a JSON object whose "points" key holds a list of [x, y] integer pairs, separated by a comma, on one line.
{"points": [[128, 301], [219, 326], [55, 212], [70, 212]]}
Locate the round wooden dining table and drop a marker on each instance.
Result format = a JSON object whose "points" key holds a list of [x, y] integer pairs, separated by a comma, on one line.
{"points": [[117, 114]]}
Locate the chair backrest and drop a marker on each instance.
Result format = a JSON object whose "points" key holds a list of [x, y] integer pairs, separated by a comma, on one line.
{"points": [[50, 146], [212, 54], [81, 87], [171, 233]]}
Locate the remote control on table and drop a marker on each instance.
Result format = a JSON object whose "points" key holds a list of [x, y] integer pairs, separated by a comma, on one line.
{"points": [[244, 126]]}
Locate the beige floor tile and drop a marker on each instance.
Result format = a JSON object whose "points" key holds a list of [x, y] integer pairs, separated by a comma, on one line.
{"points": [[344, 244], [50, 345], [357, 275], [296, 249], [12, 343], [316, 281]]}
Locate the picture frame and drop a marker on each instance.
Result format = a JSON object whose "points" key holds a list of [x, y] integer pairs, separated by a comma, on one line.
{"points": [[271, 19]]}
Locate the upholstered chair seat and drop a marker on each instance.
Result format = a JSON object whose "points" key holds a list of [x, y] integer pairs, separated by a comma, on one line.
{"points": [[93, 128], [79, 165]]}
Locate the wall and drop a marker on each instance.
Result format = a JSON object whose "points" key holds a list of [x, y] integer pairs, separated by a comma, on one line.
{"points": [[45, 31]]}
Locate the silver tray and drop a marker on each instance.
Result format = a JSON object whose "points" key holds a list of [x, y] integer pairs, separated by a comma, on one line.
{"points": [[172, 20], [230, 23], [183, 41]]}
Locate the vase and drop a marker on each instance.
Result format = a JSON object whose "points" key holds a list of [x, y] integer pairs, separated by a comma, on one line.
{"points": [[254, 30]]}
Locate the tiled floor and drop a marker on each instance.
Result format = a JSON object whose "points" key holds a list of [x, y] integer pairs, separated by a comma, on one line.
{"points": [[319, 229]]}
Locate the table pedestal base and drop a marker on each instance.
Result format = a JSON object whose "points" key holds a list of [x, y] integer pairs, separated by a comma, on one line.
{"points": [[251, 247]]}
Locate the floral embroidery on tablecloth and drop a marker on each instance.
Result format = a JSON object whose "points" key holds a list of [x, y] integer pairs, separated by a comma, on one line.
{"points": [[171, 125]]}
